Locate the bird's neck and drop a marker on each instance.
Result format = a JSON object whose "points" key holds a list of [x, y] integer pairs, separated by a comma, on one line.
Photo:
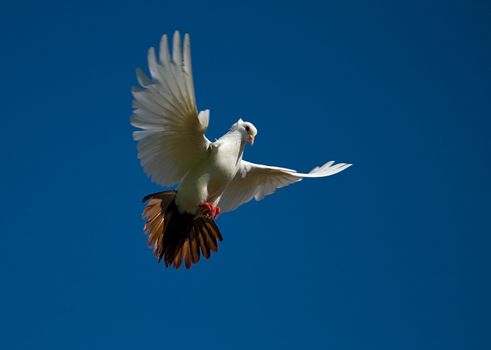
{"points": [[234, 143], [233, 137]]}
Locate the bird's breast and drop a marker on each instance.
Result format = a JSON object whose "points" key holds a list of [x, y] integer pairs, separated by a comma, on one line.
{"points": [[222, 170], [209, 179]]}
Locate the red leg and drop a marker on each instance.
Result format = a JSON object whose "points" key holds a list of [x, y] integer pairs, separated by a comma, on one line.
{"points": [[209, 209]]}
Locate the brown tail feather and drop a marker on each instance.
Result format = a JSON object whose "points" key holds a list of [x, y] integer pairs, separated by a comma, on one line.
{"points": [[177, 237]]}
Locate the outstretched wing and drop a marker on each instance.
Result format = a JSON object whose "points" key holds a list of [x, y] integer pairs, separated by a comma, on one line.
{"points": [[257, 181], [172, 137]]}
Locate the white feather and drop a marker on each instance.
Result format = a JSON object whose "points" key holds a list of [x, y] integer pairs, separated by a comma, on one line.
{"points": [[257, 181], [172, 138]]}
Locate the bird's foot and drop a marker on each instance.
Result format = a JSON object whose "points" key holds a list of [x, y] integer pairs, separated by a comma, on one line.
{"points": [[217, 211], [209, 209]]}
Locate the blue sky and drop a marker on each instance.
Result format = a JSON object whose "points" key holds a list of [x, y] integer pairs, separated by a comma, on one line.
{"points": [[391, 254]]}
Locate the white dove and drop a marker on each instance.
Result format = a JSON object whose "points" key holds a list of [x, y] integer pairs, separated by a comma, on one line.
{"points": [[211, 176]]}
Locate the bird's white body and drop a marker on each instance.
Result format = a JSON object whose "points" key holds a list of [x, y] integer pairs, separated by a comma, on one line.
{"points": [[209, 178], [212, 177]]}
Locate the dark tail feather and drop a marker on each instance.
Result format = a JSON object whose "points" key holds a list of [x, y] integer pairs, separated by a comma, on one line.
{"points": [[177, 237]]}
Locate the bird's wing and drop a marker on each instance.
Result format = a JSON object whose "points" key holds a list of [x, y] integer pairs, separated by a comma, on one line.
{"points": [[257, 181], [172, 138]]}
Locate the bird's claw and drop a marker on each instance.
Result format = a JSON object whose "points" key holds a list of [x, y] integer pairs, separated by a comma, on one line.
{"points": [[209, 209]]}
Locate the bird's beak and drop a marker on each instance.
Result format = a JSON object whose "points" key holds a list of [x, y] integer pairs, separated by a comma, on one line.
{"points": [[251, 139]]}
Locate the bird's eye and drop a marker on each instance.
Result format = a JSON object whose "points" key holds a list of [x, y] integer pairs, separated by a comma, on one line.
{"points": [[247, 128]]}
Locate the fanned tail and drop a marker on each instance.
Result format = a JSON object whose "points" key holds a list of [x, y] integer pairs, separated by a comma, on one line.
{"points": [[176, 237]]}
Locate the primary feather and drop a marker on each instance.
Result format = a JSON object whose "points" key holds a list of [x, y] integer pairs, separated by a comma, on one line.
{"points": [[172, 136]]}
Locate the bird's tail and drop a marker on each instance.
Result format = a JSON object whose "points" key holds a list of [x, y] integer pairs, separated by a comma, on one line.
{"points": [[177, 237]]}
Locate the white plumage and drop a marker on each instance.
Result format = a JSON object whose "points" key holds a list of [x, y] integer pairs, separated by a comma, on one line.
{"points": [[173, 148], [257, 181]]}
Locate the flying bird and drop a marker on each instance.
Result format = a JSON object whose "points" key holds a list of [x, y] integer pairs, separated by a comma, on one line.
{"points": [[212, 177]]}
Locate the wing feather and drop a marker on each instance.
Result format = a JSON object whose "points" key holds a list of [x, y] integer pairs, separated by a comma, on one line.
{"points": [[257, 181], [171, 139]]}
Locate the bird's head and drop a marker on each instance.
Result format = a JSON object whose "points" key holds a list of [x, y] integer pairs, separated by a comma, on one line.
{"points": [[247, 130]]}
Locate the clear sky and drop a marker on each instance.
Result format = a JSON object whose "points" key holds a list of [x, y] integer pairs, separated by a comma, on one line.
{"points": [[393, 253]]}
